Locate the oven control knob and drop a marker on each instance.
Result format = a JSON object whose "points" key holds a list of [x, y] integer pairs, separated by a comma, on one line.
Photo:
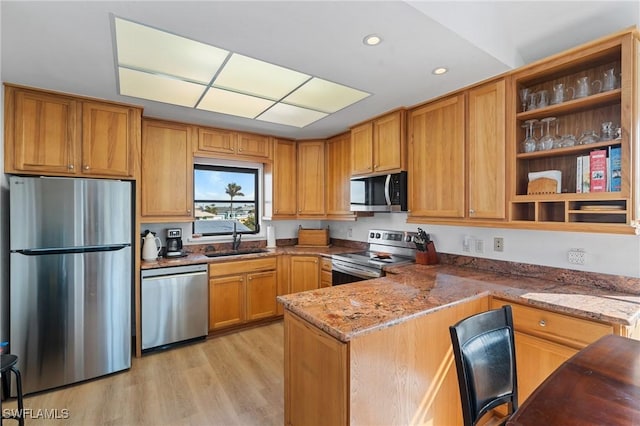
{"points": [[377, 235], [371, 235], [407, 239]]}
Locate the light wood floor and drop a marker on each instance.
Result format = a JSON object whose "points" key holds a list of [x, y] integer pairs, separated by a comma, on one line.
{"points": [[236, 379]]}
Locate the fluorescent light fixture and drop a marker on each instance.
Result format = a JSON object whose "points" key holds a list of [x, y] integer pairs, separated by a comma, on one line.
{"points": [[372, 40], [440, 71], [291, 115], [164, 67], [226, 102]]}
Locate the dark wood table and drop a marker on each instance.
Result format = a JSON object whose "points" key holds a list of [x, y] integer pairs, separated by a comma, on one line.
{"points": [[600, 385]]}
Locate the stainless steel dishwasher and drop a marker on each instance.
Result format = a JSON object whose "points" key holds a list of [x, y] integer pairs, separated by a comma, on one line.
{"points": [[175, 305]]}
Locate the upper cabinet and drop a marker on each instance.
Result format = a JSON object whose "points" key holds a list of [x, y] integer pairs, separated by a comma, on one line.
{"points": [[54, 134], [379, 146], [167, 171], [281, 177], [457, 157], [311, 196], [338, 176], [234, 145], [583, 108]]}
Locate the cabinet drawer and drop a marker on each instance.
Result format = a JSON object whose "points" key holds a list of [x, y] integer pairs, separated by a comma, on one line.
{"points": [[564, 329], [325, 264], [326, 279], [242, 266]]}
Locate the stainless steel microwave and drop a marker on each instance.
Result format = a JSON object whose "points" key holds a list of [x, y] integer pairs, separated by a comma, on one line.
{"points": [[385, 193]]}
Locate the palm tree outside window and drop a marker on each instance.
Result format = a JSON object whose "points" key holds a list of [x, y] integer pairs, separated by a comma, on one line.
{"points": [[224, 196]]}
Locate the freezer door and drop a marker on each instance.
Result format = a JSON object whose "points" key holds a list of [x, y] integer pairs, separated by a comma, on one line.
{"points": [[70, 316], [65, 212]]}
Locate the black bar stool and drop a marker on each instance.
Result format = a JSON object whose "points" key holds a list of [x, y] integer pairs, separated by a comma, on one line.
{"points": [[8, 363]]}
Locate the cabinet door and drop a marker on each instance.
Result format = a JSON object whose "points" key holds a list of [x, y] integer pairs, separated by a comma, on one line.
{"points": [[108, 139], [536, 359], [388, 143], [486, 151], [45, 129], [305, 273], [217, 140], [254, 145], [311, 179], [284, 179], [283, 273], [362, 149], [436, 153], [261, 295], [226, 301], [167, 171], [316, 389], [338, 175]]}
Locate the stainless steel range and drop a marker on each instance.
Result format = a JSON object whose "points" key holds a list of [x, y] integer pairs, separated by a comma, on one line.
{"points": [[386, 248]]}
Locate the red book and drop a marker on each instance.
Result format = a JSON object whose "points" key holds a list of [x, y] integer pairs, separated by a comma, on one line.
{"points": [[598, 166]]}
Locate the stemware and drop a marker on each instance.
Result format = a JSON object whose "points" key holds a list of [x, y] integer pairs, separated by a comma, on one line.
{"points": [[524, 97], [529, 143], [532, 102], [587, 137], [543, 99], [546, 142]]}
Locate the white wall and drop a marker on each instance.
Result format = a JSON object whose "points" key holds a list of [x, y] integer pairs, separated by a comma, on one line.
{"points": [[611, 254]]}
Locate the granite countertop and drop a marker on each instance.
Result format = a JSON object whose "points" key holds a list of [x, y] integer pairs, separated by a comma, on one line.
{"points": [[196, 258], [409, 291]]}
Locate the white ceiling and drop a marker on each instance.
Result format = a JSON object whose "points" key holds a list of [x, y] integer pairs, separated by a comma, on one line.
{"points": [[68, 46]]}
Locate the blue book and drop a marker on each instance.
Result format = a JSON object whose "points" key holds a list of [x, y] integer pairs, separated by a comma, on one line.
{"points": [[616, 168]]}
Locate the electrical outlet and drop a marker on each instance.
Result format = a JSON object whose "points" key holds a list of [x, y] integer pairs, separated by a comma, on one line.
{"points": [[466, 243], [576, 256], [479, 246], [498, 244], [350, 232]]}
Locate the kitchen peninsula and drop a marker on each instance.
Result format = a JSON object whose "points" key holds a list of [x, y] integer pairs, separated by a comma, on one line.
{"points": [[378, 351]]}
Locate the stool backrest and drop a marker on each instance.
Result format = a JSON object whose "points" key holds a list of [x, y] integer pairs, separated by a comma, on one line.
{"points": [[484, 351]]}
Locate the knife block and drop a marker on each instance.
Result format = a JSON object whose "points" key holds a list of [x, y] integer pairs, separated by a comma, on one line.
{"points": [[428, 257]]}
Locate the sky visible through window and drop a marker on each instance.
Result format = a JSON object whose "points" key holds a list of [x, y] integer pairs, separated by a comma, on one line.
{"points": [[211, 185]]}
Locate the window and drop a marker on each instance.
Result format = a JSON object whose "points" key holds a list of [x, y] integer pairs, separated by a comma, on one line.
{"points": [[225, 198]]}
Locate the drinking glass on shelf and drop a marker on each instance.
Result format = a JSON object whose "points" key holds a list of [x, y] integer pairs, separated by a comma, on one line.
{"points": [[532, 102], [543, 99], [609, 80], [567, 141], [607, 131], [524, 97], [546, 142], [587, 137], [529, 143]]}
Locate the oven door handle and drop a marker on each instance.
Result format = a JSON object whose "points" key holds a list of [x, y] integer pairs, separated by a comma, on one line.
{"points": [[354, 270]]}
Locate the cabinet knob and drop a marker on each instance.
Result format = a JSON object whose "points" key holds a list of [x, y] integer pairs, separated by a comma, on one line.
{"points": [[189, 211], [472, 211], [250, 278], [542, 323], [375, 166], [240, 149], [86, 167], [70, 167]]}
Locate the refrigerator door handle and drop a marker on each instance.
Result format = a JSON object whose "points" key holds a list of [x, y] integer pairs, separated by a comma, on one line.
{"points": [[84, 249]]}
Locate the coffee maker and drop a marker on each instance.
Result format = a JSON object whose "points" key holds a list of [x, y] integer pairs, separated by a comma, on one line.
{"points": [[174, 242]]}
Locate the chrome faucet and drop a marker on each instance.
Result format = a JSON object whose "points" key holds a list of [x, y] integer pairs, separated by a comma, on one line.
{"points": [[237, 238]]}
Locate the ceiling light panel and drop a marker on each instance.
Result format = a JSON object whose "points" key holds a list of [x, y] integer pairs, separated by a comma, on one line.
{"points": [[251, 76], [291, 115], [323, 95], [226, 102], [159, 88], [145, 48]]}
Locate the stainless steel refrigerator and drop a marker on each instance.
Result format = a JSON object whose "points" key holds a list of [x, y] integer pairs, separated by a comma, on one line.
{"points": [[71, 278]]}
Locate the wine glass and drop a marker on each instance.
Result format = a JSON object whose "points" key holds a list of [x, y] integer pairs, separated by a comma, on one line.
{"points": [[546, 142], [524, 97], [529, 143]]}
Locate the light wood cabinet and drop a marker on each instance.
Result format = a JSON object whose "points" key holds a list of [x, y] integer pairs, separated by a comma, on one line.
{"points": [[457, 152], [54, 134], [379, 146], [310, 180], [166, 172], [282, 176], [326, 278], [545, 339], [234, 145], [305, 273], [574, 209], [338, 176], [242, 291], [437, 159]]}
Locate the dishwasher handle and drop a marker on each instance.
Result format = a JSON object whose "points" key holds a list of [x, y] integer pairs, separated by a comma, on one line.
{"points": [[164, 277], [174, 270]]}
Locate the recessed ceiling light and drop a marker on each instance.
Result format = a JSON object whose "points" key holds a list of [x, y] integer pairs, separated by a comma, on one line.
{"points": [[372, 40], [440, 71]]}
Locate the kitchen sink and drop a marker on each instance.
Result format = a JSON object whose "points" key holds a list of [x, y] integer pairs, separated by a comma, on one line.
{"points": [[236, 252]]}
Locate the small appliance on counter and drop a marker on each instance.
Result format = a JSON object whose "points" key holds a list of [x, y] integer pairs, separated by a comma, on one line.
{"points": [[174, 243]]}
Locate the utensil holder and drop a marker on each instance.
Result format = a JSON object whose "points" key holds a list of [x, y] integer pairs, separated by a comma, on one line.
{"points": [[428, 257]]}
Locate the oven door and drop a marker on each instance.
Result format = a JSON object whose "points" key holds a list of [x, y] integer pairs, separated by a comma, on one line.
{"points": [[346, 272]]}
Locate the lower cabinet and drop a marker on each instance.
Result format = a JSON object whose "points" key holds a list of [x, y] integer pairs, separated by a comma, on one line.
{"points": [[326, 279], [544, 340], [305, 273], [242, 291]]}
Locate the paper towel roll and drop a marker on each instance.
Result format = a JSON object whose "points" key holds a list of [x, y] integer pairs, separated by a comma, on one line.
{"points": [[271, 236]]}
